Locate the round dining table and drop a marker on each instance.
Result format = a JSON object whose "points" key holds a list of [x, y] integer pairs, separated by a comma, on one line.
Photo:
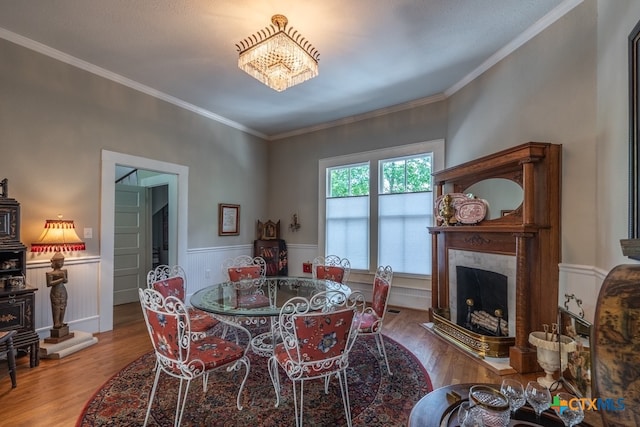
{"points": [[258, 299]]}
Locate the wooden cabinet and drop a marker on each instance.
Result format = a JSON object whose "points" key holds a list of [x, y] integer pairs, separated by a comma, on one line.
{"points": [[16, 312], [274, 253], [17, 299], [12, 252]]}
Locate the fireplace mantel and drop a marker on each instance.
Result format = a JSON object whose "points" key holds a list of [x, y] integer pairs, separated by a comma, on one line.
{"points": [[531, 233]]}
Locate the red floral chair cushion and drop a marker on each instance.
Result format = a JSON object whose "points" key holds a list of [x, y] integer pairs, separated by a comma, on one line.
{"points": [[237, 274], [380, 295], [173, 286], [201, 321], [210, 352], [320, 336], [371, 320], [328, 272]]}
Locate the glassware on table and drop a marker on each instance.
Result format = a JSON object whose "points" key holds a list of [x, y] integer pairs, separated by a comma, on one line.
{"points": [[493, 405], [514, 391], [469, 415], [538, 397], [572, 413]]}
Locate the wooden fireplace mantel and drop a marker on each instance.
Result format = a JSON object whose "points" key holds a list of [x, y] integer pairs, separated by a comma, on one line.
{"points": [[531, 233]]}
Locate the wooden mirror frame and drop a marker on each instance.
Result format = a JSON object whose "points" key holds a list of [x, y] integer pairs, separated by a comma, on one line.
{"points": [[634, 152]]}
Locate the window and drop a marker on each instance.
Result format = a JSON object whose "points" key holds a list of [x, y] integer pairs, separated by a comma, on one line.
{"points": [[347, 214], [375, 207], [405, 203]]}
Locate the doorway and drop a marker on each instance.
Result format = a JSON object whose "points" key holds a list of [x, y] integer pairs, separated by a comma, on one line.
{"points": [[142, 240], [176, 227]]}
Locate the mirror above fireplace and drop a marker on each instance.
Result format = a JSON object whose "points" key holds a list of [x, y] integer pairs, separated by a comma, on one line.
{"points": [[503, 196]]}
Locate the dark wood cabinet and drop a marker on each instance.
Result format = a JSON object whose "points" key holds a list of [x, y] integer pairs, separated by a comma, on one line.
{"points": [[16, 312], [17, 299], [274, 253]]}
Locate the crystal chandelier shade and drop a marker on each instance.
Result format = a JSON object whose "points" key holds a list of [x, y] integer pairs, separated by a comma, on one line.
{"points": [[278, 56]]}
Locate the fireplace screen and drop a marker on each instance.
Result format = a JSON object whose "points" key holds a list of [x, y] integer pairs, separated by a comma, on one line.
{"points": [[482, 301]]}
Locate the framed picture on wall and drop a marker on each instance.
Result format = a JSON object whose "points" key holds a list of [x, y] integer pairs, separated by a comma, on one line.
{"points": [[228, 219]]}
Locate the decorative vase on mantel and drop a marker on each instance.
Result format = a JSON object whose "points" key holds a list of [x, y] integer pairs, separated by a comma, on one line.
{"points": [[550, 355]]}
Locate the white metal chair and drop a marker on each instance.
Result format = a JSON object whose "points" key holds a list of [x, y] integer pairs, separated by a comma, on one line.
{"points": [[331, 267], [171, 281], [249, 275], [317, 336], [371, 320], [244, 267], [179, 356]]}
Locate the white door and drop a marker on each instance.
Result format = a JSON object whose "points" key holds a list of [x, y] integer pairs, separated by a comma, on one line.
{"points": [[130, 255]]}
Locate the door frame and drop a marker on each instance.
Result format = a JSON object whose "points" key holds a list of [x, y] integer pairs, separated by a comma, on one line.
{"points": [[178, 193]]}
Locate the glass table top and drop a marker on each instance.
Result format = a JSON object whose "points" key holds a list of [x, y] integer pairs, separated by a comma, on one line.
{"points": [[259, 297]]}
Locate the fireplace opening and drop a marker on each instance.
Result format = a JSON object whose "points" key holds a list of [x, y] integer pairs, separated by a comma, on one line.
{"points": [[482, 301]]}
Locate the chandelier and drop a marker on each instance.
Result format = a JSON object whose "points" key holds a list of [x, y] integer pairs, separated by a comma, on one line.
{"points": [[278, 56]]}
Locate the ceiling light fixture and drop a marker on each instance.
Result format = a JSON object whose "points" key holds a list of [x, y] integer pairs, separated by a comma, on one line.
{"points": [[278, 56]]}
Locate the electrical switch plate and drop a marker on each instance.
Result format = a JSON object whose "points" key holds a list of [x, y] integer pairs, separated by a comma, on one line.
{"points": [[88, 233]]}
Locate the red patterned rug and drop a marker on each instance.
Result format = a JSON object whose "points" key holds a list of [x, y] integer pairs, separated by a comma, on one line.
{"points": [[377, 399]]}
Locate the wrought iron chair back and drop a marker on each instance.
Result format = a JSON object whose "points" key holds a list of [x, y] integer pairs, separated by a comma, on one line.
{"points": [[372, 318], [177, 355], [317, 335], [244, 267], [248, 273], [331, 267], [172, 281]]}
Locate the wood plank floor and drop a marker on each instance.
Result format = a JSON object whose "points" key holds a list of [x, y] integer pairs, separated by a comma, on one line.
{"points": [[54, 393]]}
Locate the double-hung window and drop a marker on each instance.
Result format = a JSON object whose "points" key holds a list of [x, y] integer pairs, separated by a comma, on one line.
{"points": [[375, 207]]}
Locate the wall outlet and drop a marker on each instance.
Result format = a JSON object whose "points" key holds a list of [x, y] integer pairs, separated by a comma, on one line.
{"points": [[306, 267]]}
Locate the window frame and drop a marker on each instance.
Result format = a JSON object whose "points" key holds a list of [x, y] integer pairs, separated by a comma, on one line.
{"points": [[373, 157]]}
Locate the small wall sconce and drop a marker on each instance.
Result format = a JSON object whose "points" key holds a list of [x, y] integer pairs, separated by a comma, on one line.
{"points": [[295, 225]]}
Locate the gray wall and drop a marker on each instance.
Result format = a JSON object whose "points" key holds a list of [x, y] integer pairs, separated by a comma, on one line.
{"points": [[545, 91], [616, 20], [293, 162], [55, 119], [568, 85]]}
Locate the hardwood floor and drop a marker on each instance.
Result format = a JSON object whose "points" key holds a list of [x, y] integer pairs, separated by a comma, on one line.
{"points": [[54, 393]]}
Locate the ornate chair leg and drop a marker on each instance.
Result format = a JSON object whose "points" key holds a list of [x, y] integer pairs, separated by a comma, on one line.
{"points": [[383, 351], [275, 378]]}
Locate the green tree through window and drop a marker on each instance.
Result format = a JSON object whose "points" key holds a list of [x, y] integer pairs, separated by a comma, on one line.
{"points": [[406, 175], [349, 181]]}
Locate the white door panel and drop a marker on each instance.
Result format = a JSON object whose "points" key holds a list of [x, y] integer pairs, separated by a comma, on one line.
{"points": [[130, 258]]}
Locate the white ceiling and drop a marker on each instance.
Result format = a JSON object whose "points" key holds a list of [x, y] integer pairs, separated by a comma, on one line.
{"points": [[374, 54]]}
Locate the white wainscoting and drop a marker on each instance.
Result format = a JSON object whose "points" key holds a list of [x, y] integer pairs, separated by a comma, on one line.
{"points": [[82, 288], [583, 281], [203, 268]]}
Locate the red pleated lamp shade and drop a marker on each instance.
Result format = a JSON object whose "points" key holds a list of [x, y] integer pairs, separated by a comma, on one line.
{"points": [[59, 235]]}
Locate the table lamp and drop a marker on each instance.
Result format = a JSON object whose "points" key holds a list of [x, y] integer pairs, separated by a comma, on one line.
{"points": [[59, 235]]}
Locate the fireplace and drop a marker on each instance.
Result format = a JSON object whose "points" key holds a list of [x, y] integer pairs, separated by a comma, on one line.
{"points": [[522, 245], [490, 281], [482, 301]]}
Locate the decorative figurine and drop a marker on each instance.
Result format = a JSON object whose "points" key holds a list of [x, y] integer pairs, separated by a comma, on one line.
{"points": [[56, 280], [447, 211]]}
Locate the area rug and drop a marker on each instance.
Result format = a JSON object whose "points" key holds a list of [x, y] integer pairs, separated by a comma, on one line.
{"points": [[377, 399]]}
